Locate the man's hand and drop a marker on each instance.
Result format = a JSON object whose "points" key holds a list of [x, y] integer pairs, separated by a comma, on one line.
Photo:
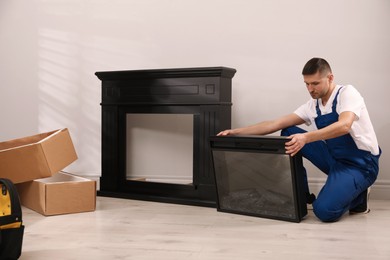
{"points": [[225, 132], [295, 144]]}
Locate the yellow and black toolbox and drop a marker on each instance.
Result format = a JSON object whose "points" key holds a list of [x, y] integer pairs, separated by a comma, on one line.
{"points": [[11, 225]]}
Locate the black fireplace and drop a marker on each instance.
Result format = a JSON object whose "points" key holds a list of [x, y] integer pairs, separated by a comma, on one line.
{"points": [[199, 99]]}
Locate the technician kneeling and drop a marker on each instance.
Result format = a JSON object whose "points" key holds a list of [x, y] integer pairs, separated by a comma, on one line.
{"points": [[343, 145]]}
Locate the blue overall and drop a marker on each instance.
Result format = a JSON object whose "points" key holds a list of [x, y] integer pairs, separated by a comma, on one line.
{"points": [[350, 170]]}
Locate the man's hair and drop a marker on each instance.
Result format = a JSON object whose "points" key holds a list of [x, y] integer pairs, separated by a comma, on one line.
{"points": [[315, 65]]}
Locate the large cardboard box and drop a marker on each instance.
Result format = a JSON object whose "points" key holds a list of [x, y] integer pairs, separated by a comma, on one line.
{"points": [[36, 156], [60, 194]]}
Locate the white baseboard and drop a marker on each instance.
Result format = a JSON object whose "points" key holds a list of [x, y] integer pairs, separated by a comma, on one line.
{"points": [[379, 191]]}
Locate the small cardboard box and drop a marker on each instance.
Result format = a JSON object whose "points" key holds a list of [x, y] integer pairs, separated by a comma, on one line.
{"points": [[60, 194], [36, 156]]}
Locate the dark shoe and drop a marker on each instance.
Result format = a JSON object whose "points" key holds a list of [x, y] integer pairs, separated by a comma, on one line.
{"points": [[310, 198], [362, 208]]}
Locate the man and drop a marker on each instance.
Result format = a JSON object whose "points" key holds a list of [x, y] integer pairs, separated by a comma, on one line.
{"points": [[343, 145]]}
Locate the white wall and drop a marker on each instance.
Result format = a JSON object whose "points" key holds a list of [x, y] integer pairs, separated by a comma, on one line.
{"points": [[50, 50]]}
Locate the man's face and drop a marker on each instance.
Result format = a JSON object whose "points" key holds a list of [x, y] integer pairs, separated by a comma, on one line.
{"points": [[318, 84]]}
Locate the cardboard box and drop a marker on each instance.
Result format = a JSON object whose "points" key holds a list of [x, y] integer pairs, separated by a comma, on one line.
{"points": [[60, 194], [37, 156]]}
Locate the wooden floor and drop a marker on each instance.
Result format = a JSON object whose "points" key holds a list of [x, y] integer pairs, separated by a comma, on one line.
{"points": [[130, 229]]}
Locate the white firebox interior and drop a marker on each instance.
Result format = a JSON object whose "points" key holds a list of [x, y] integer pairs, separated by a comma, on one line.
{"points": [[160, 148]]}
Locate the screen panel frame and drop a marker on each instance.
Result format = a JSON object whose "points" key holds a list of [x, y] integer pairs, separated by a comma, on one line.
{"points": [[266, 145]]}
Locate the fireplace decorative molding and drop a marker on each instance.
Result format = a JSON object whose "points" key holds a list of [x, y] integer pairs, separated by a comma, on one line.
{"points": [[204, 93]]}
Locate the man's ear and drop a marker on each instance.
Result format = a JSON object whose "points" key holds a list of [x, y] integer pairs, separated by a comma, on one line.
{"points": [[331, 78]]}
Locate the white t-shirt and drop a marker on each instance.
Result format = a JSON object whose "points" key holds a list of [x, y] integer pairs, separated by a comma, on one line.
{"points": [[349, 99]]}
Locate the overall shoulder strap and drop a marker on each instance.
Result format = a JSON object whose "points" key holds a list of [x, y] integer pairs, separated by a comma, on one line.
{"points": [[334, 104]]}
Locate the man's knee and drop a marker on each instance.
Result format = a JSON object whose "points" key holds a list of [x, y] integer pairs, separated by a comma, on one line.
{"points": [[326, 212], [291, 130], [284, 132]]}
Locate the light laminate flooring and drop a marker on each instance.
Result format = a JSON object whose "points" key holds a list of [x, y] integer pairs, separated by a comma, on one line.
{"points": [[132, 229]]}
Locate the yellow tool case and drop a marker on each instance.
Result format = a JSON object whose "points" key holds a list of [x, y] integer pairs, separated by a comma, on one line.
{"points": [[11, 224]]}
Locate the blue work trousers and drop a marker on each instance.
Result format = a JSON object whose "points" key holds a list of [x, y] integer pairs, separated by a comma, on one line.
{"points": [[346, 181]]}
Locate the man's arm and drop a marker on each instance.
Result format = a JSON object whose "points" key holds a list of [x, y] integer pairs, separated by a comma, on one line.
{"points": [[339, 128], [265, 127]]}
